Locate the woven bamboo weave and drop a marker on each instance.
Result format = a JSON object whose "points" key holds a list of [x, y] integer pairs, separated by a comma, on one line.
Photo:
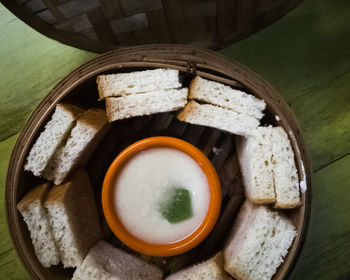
{"points": [[102, 25]]}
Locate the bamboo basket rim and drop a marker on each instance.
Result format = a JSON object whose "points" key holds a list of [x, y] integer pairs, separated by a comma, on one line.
{"points": [[191, 60]]}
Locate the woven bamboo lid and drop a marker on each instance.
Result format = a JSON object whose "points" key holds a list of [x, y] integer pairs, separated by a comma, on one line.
{"points": [[103, 25]]}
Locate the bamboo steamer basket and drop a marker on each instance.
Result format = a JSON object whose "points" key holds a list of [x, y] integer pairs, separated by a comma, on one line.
{"points": [[103, 25], [79, 87]]}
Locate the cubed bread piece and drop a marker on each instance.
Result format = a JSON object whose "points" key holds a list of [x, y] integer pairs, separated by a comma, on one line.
{"points": [[73, 217], [82, 141], [55, 132], [254, 155], [137, 82], [285, 173], [148, 103], [211, 269], [268, 168], [258, 243], [224, 96], [105, 262], [217, 117], [35, 216]]}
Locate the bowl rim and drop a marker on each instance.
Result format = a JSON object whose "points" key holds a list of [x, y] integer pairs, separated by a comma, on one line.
{"points": [[172, 248]]}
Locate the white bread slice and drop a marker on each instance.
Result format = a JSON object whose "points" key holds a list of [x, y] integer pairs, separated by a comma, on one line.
{"points": [[284, 171], [55, 131], [211, 269], [105, 262], [224, 96], [258, 243], [35, 216], [217, 117], [81, 142], [268, 168], [254, 155], [275, 249], [137, 82], [73, 217], [145, 103]]}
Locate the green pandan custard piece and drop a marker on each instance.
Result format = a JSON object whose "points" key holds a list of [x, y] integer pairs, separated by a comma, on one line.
{"points": [[177, 206]]}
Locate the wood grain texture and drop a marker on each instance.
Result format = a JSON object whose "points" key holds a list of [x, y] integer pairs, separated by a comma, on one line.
{"points": [[305, 56], [30, 59], [326, 253], [10, 266]]}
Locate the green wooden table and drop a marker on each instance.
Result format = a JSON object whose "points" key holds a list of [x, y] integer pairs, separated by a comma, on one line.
{"points": [[305, 56]]}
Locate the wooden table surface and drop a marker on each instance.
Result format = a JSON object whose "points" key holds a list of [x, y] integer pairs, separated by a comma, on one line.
{"points": [[305, 56]]}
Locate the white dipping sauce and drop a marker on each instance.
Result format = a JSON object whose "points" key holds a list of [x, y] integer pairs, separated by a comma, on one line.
{"points": [[145, 181]]}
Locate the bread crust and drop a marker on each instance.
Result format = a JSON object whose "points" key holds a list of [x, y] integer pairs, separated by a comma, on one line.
{"points": [[278, 205], [234, 273], [104, 261], [263, 201], [100, 86], [192, 87], [34, 196], [94, 118], [214, 266]]}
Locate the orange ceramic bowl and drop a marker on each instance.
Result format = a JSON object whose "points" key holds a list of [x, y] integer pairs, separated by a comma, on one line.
{"points": [[169, 249]]}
